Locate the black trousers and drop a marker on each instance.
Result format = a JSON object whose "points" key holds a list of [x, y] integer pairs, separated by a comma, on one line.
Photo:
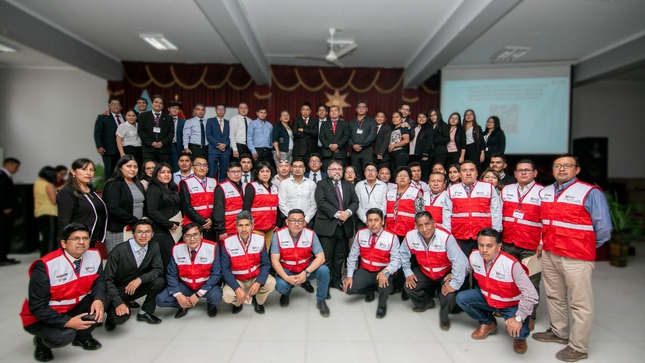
{"points": [[473, 155], [440, 158], [467, 246], [136, 152], [424, 293], [156, 156], [264, 154], [241, 149], [48, 228], [336, 249], [150, 290], [109, 162], [166, 243], [360, 159], [6, 233], [398, 158], [55, 337], [365, 282], [198, 151], [452, 158]]}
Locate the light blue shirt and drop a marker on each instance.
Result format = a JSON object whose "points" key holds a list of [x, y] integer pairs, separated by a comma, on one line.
{"points": [[135, 249], [259, 135], [193, 132]]}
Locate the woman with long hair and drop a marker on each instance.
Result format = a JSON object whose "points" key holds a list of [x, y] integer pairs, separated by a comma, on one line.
{"points": [[78, 201], [493, 177], [261, 199], [45, 209], [422, 138], [350, 175], [440, 138], [474, 139], [282, 137], [125, 199], [494, 139], [127, 137], [399, 142], [162, 200], [456, 146], [453, 174], [145, 173]]}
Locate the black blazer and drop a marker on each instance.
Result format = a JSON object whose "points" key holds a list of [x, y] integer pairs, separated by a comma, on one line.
{"points": [[327, 137], [118, 199], [146, 127], [327, 202], [460, 138], [121, 268], [383, 141], [479, 141], [74, 209], [280, 135], [159, 210], [104, 133], [441, 138], [496, 143], [305, 142], [8, 195], [424, 140]]}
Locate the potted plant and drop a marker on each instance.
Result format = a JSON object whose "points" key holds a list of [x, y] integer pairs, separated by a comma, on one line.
{"points": [[99, 178], [626, 228]]}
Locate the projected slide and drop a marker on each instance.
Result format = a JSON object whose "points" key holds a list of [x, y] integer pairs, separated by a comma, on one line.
{"points": [[533, 111]]}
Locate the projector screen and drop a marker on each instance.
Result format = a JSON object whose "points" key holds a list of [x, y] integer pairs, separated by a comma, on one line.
{"points": [[532, 103]]}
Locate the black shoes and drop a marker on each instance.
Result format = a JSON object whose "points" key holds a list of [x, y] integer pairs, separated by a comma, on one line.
{"points": [[42, 352], [420, 310], [8, 262], [212, 310], [404, 295], [323, 308], [88, 344], [369, 297], [284, 300], [149, 318], [380, 312], [180, 313], [307, 286], [444, 326], [257, 307], [237, 309], [110, 325], [132, 304]]}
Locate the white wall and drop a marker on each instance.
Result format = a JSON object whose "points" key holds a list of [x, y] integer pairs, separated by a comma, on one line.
{"points": [[47, 117], [615, 110]]}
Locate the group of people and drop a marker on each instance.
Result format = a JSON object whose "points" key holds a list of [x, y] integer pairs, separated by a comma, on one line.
{"points": [[362, 227]]}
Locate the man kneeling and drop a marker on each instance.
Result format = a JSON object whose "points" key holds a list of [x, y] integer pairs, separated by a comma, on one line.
{"points": [[292, 250], [504, 287]]}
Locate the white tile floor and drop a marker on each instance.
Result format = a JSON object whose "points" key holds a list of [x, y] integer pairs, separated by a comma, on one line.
{"points": [[352, 333]]}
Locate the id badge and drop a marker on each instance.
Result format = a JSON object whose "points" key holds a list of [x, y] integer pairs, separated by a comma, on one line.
{"points": [[518, 214], [359, 131], [156, 130]]}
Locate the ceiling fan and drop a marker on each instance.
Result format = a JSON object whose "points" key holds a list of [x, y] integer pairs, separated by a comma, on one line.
{"points": [[337, 50]]}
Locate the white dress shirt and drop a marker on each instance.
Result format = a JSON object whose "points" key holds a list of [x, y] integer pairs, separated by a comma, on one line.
{"points": [[294, 195], [238, 130], [370, 197]]}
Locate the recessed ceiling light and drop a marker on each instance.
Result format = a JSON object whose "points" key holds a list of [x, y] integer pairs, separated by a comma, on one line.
{"points": [[7, 49], [509, 53], [158, 41]]}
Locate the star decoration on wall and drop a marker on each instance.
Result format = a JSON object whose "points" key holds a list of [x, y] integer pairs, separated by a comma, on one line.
{"points": [[337, 100]]}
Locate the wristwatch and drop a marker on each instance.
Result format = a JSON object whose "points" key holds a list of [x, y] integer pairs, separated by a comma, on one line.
{"points": [[307, 273], [386, 273], [518, 318]]}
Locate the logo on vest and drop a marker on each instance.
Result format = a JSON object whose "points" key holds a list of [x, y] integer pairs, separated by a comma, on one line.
{"points": [[458, 193], [230, 193], [90, 268], [62, 277], [500, 275], [203, 259], [535, 200], [481, 193], [194, 189]]}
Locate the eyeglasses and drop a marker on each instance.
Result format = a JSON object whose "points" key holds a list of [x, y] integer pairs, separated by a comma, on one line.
{"points": [[296, 221], [370, 171], [77, 239], [115, 104], [235, 171], [150, 168], [336, 169], [361, 107], [142, 233], [564, 166], [298, 166], [192, 235], [524, 171], [199, 165], [314, 161]]}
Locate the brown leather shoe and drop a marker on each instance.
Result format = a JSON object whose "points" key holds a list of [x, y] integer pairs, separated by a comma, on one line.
{"points": [[569, 354], [531, 324], [484, 330], [519, 346], [549, 337]]}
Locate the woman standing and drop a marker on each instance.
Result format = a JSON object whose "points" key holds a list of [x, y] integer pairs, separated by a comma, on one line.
{"points": [[261, 198], [282, 137], [456, 146], [350, 175], [399, 142], [493, 177], [494, 139], [474, 139], [146, 173], [78, 202], [422, 138], [162, 202], [124, 196], [45, 209], [127, 137], [441, 137]]}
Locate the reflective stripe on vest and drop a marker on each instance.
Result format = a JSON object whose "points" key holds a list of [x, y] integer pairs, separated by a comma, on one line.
{"points": [[233, 203]]}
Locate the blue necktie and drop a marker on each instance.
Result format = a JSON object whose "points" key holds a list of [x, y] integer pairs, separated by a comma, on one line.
{"points": [[77, 266]]}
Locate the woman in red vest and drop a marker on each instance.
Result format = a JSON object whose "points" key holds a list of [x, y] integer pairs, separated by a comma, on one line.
{"points": [[261, 198]]}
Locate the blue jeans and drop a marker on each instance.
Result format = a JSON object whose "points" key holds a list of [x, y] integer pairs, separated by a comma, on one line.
{"points": [[166, 300], [474, 304], [321, 274]]}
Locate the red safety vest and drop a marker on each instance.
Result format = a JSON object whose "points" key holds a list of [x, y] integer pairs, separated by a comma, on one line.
{"points": [[436, 207], [432, 259], [265, 207], [470, 213], [295, 255], [194, 273], [375, 255], [66, 288], [245, 262], [233, 203], [403, 221], [497, 285], [521, 216], [201, 200], [567, 225]]}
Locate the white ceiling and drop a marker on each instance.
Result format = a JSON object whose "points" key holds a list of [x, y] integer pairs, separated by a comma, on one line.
{"points": [[389, 33]]}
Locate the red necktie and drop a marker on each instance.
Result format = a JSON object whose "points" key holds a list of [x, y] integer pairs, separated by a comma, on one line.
{"points": [[373, 243], [333, 126], [193, 253], [118, 119]]}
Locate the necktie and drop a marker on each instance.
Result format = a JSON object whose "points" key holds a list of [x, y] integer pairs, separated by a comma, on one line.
{"points": [[157, 119], [315, 179], [140, 255], [333, 126], [373, 243], [118, 119], [77, 266], [246, 178], [203, 181], [306, 121], [203, 137], [378, 128], [193, 253], [221, 126], [174, 139], [246, 130], [339, 196]]}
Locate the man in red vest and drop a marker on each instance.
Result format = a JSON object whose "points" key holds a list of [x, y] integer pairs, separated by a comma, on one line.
{"points": [[378, 251], [521, 207], [229, 201], [245, 267], [66, 295], [194, 272], [196, 198], [575, 221], [504, 287], [440, 265], [297, 257], [435, 201]]}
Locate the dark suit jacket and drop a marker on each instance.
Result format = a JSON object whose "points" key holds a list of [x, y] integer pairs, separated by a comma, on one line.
{"points": [[441, 138], [323, 175], [496, 143], [305, 142], [383, 141], [424, 139], [119, 202], [104, 133], [121, 268], [180, 135], [327, 202], [8, 195], [460, 138], [145, 129], [327, 137], [215, 136]]}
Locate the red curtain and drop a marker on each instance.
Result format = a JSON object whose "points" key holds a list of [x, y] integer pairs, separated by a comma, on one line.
{"points": [[381, 88]]}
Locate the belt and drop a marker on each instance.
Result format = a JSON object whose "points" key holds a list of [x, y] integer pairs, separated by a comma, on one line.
{"points": [[262, 148], [198, 146]]}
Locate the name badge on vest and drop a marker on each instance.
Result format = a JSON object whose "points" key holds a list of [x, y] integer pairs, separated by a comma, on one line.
{"points": [[156, 130], [518, 214], [359, 131]]}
